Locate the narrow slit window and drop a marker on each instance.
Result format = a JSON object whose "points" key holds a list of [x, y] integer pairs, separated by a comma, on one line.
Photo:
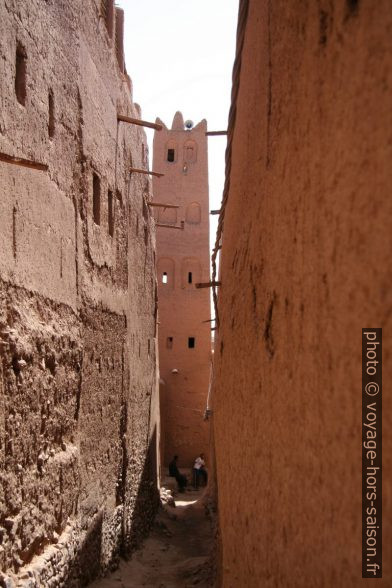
{"points": [[51, 115], [119, 198], [189, 277], [191, 342], [170, 155], [164, 278], [110, 213], [20, 74], [96, 199], [169, 342]]}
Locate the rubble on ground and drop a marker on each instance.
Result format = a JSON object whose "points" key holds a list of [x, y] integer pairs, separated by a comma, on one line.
{"points": [[167, 497]]}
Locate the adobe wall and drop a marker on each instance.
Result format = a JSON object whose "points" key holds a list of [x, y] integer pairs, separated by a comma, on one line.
{"points": [[78, 405], [305, 265], [184, 310]]}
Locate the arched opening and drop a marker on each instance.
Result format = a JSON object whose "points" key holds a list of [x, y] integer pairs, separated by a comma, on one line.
{"points": [[190, 151], [193, 213], [190, 272]]}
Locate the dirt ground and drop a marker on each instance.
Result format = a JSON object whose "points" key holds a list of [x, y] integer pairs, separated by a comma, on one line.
{"points": [[177, 553]]}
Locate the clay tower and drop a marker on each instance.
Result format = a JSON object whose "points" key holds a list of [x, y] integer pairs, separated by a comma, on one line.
{"points": [[182, 261]]}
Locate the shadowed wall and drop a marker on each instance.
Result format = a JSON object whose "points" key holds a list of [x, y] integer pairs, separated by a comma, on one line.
{"points": [[78, 403]]}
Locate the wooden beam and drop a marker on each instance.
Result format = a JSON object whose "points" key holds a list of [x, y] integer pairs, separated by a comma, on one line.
{"points": [[214, 211], [159, 204], [215, 133], [208, 320], [23, 162], [145, 171], [181, 228], [139, 122], [207, 284]]}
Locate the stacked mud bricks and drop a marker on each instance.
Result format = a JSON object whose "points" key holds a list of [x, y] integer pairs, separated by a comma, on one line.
{"points": [[78, 433]]}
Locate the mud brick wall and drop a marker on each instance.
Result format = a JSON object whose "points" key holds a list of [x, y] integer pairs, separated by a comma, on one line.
{"points": [[305, 266], [78, 405], [41, 374]]}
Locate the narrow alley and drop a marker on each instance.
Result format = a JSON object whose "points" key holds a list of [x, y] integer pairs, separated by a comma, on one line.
{"points": [[195, 293], [178, 553]]}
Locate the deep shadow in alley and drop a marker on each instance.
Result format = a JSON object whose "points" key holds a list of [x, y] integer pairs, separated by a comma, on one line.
{"points": [[177, 553]]}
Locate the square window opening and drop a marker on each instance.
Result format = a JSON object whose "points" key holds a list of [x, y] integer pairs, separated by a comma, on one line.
{"points": [[189, 277], [191, 342], [170, 155], [164, 278], [169, 342]]}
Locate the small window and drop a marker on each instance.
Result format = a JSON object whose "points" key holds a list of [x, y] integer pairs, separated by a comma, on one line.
{"points": [[191, 342], [51, 115], [110, 213], [170, 155], [189, 277], [169, 342], [164, 278], [20, 74], [96, 199]]}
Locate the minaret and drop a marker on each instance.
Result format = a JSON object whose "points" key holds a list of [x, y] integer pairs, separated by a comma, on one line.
{"points": [[183, 259]]}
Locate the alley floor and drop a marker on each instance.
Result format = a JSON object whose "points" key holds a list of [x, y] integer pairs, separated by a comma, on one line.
{"points": [[176, 554]]}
